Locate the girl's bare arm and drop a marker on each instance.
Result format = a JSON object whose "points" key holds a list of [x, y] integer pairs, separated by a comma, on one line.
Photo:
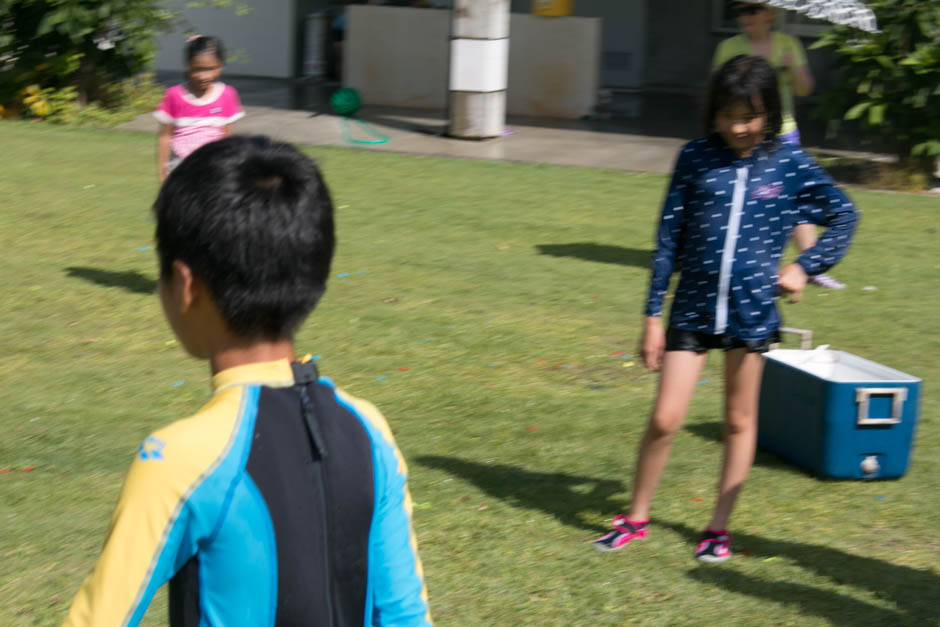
{"points": [[163, 150]]}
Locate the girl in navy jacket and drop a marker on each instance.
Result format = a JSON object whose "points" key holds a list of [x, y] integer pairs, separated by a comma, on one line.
{"points": [[733, 202]]}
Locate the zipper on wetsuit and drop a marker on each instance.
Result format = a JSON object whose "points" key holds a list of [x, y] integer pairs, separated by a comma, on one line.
{"points": [[305, 374], [327, 571]]}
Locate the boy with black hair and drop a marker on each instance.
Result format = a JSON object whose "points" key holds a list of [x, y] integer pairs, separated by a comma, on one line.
{"points": [[283, 501]]}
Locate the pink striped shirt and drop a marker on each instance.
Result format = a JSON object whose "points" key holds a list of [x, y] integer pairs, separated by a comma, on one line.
{"points": [[198, 121]]}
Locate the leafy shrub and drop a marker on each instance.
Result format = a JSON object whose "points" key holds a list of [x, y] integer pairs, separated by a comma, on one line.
{"points": [[890, 81], [119, 103], [89, 49]]}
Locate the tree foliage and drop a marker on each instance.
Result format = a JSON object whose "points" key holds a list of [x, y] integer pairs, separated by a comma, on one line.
{"points": [[85, 45], [79, 43], [890, 81]]}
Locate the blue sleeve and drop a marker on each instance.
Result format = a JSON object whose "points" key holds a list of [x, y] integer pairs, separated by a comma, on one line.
{"points": [[820, 201], [398, 593], [667, 236]]}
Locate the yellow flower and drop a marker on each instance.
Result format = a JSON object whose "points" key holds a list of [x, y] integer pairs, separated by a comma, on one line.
{"points": [[40, 108]]}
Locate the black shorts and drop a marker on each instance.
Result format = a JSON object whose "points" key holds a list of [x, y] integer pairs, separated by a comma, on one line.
{"points": [[679, 340]]}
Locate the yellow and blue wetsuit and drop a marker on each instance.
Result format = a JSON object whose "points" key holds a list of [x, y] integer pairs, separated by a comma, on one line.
{"points": [[283, 501]]}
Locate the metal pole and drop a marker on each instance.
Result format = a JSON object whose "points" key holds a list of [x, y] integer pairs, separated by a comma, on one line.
{"points": [[479, 63]]}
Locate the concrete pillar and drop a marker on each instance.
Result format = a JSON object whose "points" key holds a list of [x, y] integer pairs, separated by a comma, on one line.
{"points": [[479, 62]]}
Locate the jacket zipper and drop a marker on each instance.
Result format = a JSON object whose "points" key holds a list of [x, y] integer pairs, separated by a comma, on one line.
{"points": [[727, 254]]}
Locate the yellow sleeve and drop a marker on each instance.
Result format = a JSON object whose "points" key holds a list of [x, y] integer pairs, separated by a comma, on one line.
{"points": [[728, 49], [799, 54], [721, 55], [150, 503], [155, 527]]}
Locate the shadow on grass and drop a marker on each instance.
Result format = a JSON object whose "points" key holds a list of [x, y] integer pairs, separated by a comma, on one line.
{"points": [[714, 432], [563, 496], [603, 253], [129, 280], [913, 591], [711, 431]]}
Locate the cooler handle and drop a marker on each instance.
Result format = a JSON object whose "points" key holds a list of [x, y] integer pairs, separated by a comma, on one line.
{"points": [[806, 336], [862, 395]]}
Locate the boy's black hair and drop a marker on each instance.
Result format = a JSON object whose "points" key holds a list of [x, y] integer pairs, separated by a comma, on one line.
{"points": [[253, 219], [744, 79], [205, 44]]}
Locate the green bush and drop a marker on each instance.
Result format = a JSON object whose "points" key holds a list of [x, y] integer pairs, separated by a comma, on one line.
{"points": [[84, 44], [70, 53], [890, 81], [119, 103]]}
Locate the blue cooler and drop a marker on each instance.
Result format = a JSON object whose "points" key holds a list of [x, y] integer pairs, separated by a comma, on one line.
{"points": [[837, 415]]}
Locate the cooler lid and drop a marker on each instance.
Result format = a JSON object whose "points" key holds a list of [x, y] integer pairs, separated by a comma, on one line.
{"points": [[839, 366]]}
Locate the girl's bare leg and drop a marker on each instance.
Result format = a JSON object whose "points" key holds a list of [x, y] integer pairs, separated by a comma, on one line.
{"points": [[677, 380], [742, 387]]}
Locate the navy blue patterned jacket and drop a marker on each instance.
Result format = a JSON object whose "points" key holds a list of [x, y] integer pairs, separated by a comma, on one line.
{"points": [[724, 226]]}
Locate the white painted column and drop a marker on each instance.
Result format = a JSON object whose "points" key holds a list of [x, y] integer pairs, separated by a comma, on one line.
{"points": [[479, 62]]}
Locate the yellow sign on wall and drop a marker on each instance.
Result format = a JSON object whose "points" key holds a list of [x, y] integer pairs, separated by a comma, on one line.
{"points": [[556, 8]]}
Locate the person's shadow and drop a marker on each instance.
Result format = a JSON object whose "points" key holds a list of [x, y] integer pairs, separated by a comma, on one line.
{"points": [[602, 253], [569, 498], [713, 432], [566, 497], [129, 280], [914, 592]]}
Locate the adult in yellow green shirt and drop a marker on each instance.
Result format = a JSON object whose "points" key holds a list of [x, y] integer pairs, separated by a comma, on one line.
{"points": [[786, 55]]}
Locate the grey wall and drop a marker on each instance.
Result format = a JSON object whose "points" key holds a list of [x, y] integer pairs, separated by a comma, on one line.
{"points": [[679, 45], [623, 59], [623, 32], [263, 43], [399, 57], [554, 66], [659, 45]]}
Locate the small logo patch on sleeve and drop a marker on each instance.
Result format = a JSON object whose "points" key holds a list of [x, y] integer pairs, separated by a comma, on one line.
{"points": [[152, 448]]}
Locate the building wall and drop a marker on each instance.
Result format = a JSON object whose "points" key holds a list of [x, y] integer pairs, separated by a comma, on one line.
{"points": [[623, 37], [400, 57], [623, 59], [554, 66], [397, 56], [263, 43], [679, 45]]}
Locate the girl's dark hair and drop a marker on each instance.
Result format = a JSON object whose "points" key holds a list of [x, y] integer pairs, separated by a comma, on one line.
{"points": [[204, 44], [744, 79]]}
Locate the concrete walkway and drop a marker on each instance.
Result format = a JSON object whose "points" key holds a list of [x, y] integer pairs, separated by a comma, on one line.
{"points": [[640, 132], [596, 144]]}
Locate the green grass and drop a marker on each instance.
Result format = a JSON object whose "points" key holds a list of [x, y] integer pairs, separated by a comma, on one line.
{"points": [[504, 290]]}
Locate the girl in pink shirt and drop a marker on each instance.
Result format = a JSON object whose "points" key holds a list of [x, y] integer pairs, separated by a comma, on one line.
{"points": [[198, 112]]}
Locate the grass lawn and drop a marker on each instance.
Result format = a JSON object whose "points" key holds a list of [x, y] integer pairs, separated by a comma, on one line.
{"points": [[481, 306]]}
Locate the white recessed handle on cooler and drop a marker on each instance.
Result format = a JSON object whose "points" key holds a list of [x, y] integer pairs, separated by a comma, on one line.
{"points": [[862, 396]]}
